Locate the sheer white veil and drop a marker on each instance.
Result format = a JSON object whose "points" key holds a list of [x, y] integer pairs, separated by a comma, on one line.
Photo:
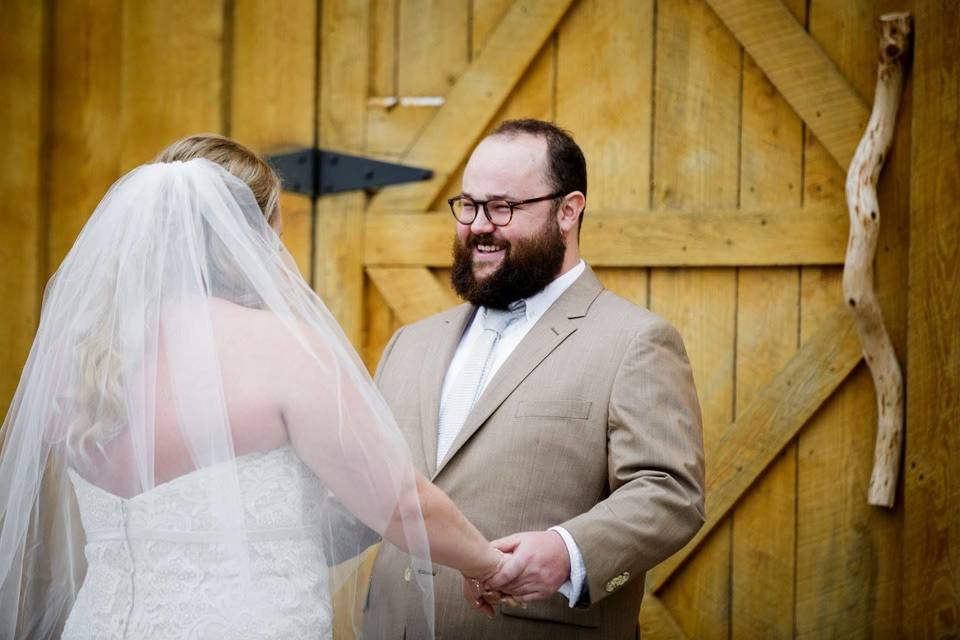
{"points": [[131, 324]]}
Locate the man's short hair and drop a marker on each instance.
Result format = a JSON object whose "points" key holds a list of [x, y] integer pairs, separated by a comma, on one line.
{"points": [[566, 166]]}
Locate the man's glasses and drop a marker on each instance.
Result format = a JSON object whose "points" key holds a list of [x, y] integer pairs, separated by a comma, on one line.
{"points": [[499, 212]]}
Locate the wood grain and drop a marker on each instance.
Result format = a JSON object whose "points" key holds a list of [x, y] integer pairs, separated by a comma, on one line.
{"points": [[772, 419], [800, 70], [21, 137], [696, 137], [85, 141], [338, 232], [412, 293], [601, 54], [269, 111], [474, 99], [764, 521], [847, 580], [172, 75], [931, 606], [764, 236]]}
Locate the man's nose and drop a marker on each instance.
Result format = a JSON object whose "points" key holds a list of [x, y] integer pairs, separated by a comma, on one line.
{"points": [[481, 224]]}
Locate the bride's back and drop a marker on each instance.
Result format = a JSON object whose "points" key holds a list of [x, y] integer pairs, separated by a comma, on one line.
{"points": [[254, 359]]}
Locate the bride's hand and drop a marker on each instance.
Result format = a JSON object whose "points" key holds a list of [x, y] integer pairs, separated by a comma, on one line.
{"points": [[482, 598]]}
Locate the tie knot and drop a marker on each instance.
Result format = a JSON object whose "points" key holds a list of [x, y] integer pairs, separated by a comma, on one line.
{"points": [[497, 319]]}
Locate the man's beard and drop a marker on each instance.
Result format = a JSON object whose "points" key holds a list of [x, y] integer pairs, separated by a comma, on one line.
{"points": [[527, 267]]}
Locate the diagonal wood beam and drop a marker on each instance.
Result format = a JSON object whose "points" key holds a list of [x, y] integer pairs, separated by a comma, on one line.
{"points": [[769, 423], [656, 621], [760, 237], [474, 100], [412, 293], [800, 70]]}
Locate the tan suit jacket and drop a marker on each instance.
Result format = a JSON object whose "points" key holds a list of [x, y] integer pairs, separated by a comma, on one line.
{"points": [[592, 423]]}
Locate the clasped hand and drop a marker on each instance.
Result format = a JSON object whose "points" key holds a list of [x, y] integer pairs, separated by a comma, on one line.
{"points": [[532, 566]]}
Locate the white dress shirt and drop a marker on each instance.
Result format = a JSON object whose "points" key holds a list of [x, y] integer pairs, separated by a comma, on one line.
{"points": [[537, 305]]}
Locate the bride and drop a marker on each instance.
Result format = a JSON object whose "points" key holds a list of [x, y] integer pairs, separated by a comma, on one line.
{"points": [[194, 449]]}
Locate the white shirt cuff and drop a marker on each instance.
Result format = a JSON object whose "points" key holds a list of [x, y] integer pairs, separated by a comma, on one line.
{"points": [[573, 587]]}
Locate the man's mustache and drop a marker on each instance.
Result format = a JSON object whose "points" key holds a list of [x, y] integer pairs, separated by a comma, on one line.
{"points": [[473, 241]]}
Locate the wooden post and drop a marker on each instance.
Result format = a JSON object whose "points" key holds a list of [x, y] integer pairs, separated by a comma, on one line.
{"points": [[861, 191]]}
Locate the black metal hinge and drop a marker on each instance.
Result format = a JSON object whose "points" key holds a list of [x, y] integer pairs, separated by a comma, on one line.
{"points": [[317, 172]]}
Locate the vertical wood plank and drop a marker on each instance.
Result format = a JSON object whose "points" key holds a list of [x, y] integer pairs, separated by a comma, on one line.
{"points": [[21, 137], [697, 117], [847, 578], [432, 48], [931, 606], [379, 321], [338, 237], [533, 96], [172, 74], [764, 523], [85, 142], [601, 54], [273, 96]]}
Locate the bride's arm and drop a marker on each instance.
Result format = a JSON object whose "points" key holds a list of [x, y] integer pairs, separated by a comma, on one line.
{"points": [[341, 428], [454, 541]]}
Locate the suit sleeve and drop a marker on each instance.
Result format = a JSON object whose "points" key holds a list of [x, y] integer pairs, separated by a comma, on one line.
{"points": [[654, 462]]}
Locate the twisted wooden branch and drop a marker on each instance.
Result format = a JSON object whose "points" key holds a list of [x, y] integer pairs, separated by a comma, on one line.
{"points": [[861, 191]]}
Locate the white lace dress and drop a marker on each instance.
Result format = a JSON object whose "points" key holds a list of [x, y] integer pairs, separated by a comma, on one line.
{"points": [[155, 572]]}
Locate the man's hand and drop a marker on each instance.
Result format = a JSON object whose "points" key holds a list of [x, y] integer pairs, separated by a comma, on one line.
{"points": [[539, 564]]}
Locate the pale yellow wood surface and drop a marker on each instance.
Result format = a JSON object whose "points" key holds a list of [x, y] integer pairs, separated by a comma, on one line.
{"points": [[412, 293], [338, 230], [656, 621], [21, 135], [432, 46], [391, 131], [172, 75], [932, 575], [772, 419], [697, 112], [380, 323], [270, 111], [601, 54], [847, 575], [474, 99], [768, 235], [385, 137], [764, 522], [431, 50], [533, 95], [85, 141], [800, 70]]}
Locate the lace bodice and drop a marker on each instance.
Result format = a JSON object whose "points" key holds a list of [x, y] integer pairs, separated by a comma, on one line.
{"points": [[157, 569]]}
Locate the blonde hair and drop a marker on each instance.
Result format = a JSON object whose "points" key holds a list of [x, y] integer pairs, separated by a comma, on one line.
{"points": [[235, 158]]}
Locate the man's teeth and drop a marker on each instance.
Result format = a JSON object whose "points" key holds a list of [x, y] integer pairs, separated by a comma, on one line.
{"points": [[487, 248]]}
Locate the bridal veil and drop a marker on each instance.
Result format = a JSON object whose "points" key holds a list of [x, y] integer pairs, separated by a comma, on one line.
{"points": [[128, 324]]}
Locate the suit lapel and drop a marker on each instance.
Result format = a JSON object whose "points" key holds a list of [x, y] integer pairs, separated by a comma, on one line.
{"points": [[436, 361], [556, 324]]}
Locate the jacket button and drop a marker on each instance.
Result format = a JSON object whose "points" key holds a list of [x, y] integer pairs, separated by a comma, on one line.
{"points": [[617, 582], [406, 574]]}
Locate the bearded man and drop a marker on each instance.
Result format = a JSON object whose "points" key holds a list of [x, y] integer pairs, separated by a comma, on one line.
{"points": [[561, 418]]}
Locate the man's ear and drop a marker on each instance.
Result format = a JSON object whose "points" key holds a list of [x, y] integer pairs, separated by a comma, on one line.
{"points": [[568, 215]]}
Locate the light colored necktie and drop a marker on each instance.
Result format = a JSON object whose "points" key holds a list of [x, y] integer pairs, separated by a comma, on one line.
{"points": [[465, 389]]}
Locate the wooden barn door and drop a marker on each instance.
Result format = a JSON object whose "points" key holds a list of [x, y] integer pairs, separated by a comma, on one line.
{"points": [[715, 132]]}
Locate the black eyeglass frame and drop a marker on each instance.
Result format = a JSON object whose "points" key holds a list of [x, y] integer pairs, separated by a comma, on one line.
{"points": [[482, 204]]}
